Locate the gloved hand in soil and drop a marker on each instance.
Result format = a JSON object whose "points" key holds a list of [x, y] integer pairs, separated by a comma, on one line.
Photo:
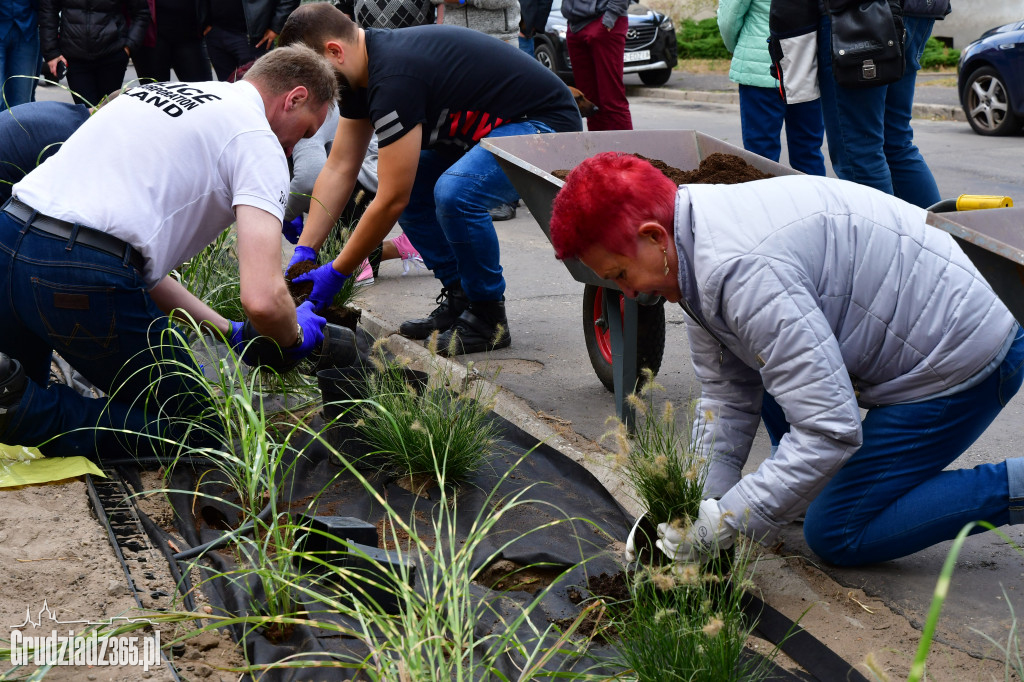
{"points": [[291, 229], [702, 540], [302, 253], [327, 282], [312, 332]]}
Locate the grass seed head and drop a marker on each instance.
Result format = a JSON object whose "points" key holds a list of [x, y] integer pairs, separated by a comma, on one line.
{"points": [[713, 627], [663, 581]]}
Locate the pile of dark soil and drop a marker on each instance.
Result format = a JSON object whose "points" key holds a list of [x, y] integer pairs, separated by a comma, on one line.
{"points": [[300, 291], [716, 169]]}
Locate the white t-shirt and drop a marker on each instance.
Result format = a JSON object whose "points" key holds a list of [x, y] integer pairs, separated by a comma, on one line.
{"points": [[162, 166]]}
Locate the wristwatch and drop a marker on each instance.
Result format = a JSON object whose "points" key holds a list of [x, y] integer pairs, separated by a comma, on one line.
{"points": [[298, 338]]}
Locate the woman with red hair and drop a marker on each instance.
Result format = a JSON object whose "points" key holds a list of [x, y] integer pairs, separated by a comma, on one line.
{"points": [[810, 299]]}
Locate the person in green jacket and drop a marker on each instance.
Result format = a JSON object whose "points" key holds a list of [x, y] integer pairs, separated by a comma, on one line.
{"points": [[763, 110]]}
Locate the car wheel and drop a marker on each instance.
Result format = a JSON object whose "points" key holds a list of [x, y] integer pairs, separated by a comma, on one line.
{"points": [[655, 77], [987, 103], [546, 56]]}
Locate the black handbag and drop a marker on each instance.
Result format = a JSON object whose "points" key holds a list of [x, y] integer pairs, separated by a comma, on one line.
{"points": [[867, 42]]}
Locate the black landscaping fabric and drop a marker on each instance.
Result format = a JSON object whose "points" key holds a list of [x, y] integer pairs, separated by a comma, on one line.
{"points": [[562, 488]]}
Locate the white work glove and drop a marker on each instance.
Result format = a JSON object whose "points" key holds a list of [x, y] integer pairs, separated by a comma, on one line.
{"points": [[702, 541]]}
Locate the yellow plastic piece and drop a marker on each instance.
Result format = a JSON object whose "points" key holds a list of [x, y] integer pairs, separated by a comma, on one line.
{"points": [[974, 202], [27, 466]]}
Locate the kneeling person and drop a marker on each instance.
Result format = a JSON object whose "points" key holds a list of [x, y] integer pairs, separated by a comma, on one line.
{"points": [[431, 93]]}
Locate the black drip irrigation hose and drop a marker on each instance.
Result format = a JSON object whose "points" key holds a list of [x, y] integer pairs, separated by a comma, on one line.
{"points": [[101, 514], [182, 581]]}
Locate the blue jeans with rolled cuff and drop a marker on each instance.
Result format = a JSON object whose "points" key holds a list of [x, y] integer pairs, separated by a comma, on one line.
{"points": [[893, 497], [447, 217], [92, 307]]}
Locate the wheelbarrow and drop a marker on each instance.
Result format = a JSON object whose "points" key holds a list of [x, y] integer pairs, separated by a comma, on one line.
{"points": [[622, 335]]}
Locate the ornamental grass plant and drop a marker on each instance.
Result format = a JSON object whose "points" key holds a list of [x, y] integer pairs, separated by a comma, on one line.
{"points": [[441, 428], [659, 458], [686, 622]]}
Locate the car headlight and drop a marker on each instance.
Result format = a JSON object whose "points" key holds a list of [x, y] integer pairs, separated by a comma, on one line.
{"points": [[667, 24]]}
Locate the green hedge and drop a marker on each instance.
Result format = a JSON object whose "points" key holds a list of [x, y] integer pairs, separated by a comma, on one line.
{"points": [[937, 54], [700, 40]]}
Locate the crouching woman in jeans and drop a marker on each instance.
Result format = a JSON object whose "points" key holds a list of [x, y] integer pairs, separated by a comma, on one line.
{"points": [[809, 299]]}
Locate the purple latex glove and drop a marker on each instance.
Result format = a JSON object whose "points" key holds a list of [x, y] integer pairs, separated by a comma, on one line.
{"points": [[302, 253], [238, 343], [312, 331], [291, 229], [326, 283]]}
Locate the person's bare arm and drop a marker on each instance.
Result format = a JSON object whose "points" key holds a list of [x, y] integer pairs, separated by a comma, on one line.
{"points": [[171, 297], [396, 171], [334, 185], [265, 295]]}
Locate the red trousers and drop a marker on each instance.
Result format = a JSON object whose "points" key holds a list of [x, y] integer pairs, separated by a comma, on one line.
{"points": [[596, 55]]}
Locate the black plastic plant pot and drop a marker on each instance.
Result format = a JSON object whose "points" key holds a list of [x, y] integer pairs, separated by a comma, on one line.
{"points": [[417, 379], [371, 574], [645, 535], [339, 384]]}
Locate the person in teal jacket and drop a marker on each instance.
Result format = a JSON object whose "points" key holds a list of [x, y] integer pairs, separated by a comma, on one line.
{"points": [[763, 110]]}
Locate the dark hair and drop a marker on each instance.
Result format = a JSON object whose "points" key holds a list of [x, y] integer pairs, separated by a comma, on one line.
{"points": [[313, 24]]}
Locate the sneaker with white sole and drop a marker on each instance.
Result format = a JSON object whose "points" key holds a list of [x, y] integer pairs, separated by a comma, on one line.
{"points": [[411, 258], [365, 275]]}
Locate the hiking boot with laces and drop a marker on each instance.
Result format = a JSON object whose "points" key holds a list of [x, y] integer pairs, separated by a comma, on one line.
{"points": [[451, 303], [12, 387], [481, 327]]}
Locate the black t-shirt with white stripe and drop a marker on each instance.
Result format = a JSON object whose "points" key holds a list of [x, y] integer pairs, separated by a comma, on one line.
{"points": [[459, 83]]}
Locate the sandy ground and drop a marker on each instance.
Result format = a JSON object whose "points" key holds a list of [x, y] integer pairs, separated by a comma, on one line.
{"points": [[53, 550]]}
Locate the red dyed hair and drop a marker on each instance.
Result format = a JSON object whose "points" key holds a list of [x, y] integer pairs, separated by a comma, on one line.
{"points": [[605, 199]]}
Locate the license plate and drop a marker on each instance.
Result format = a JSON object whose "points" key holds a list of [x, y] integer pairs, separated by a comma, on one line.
{"points": [[638, 56]]}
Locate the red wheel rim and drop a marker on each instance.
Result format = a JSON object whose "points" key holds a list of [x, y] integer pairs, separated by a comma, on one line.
{"points": [[603, 337]]}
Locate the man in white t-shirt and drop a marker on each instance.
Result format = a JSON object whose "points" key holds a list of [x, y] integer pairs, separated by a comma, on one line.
{"points": [[89, 237]]}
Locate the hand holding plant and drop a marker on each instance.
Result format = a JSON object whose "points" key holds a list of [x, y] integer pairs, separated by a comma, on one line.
{"points": [[702, 540], [327, 282]]}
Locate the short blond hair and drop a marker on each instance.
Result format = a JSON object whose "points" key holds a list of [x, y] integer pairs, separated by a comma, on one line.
{"points": [[286, 68]]}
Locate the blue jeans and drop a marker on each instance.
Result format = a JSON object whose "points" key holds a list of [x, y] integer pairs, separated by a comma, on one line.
{"points": [[447, 217], [870, 140], [93, 309], [762, 113], [892, 497], [526, 45], [19, 56]]}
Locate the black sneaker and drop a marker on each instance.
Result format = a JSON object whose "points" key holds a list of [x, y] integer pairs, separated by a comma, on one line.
{"points": [[503, 212], [480, 328], [451, 303], [12, 387]]}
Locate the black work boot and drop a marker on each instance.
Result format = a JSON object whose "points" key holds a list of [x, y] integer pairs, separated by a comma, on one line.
{"points": [[483, 326], [451, 302], [12, 387]]}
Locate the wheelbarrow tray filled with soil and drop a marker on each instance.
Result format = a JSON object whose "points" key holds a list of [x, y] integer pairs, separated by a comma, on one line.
{"points": [[528, 161]]}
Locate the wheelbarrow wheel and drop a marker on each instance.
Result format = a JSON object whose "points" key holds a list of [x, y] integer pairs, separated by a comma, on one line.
{"points": [[650, 339]]}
